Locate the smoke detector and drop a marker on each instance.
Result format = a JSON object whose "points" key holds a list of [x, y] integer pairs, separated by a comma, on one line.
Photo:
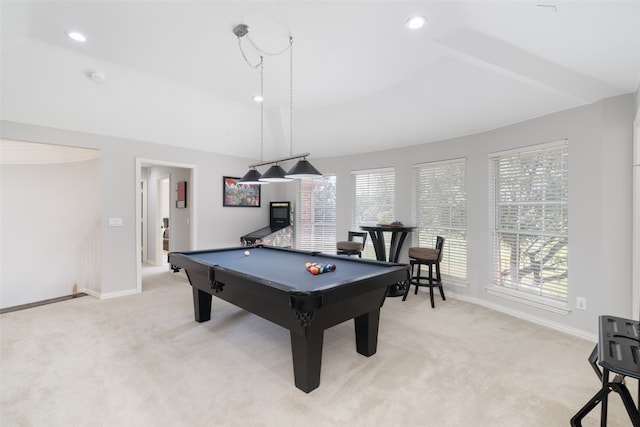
{"points": [[96, 76]]}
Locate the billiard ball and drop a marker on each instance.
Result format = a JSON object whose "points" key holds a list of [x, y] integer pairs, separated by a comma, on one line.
{"points": [[246, 253]]}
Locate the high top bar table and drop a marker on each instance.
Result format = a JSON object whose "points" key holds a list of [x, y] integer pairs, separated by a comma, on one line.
{"points": [[398, 236]]}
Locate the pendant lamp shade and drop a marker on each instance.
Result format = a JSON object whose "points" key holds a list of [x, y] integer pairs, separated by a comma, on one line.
{"points": [[303, 169], [252, 177], [275, 174]]}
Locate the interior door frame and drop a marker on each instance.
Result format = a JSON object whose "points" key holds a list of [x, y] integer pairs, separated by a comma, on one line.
{"points": [[193, 207], [142, 218], [635, 233]]}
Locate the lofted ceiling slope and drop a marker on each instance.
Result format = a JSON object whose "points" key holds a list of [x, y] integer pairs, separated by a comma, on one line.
{"points": [[174, 74]]}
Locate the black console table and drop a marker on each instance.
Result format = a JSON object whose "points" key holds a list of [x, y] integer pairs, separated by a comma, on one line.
{"points": [[618, 352]]}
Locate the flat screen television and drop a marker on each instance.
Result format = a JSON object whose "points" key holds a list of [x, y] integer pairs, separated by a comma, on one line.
{"points": [[280, 214]]}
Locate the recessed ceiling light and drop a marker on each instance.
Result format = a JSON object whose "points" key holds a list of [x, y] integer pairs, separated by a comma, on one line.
{"points": [[416, 22], [258, 98], [75, 35]]}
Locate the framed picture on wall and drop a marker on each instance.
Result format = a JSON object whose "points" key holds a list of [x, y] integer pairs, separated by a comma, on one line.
{"points": [[181, 196], [236, 194]]}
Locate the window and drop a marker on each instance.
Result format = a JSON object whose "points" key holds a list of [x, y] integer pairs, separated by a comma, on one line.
{"points": [[316, 214], [530, 242], [440, 209], [374, 200]]}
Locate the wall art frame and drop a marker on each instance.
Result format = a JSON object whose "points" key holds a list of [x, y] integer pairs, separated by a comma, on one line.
{"points": [[238, 195]]}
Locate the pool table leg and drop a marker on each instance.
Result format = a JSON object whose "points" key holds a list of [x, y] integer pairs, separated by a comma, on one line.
{"points": [[307, 358], [367, 332], [201, 305]]}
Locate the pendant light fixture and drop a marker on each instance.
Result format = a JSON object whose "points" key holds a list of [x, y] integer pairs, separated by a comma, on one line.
{"points": [[303, 168], [275, 174], [253, 176]]}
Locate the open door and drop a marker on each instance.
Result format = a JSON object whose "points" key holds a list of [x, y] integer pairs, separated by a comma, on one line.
{"points": [[155, 201]]}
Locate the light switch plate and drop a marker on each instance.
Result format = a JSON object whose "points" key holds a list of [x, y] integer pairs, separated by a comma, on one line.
{"points": [[116, 222]]}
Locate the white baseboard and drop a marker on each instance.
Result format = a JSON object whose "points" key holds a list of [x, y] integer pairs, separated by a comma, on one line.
{"points": [[525, 316], [109, 295]]}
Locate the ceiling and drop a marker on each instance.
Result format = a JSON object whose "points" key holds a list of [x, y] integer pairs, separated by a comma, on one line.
{"points": [[174, 73]]}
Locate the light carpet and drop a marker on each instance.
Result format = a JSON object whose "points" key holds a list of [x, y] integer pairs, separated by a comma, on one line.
{"points": [[142, 360]]}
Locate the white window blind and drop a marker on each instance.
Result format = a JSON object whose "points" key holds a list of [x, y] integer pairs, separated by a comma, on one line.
{"points": [[374, 200], [316, 214], [440, 209], [530, 245]]}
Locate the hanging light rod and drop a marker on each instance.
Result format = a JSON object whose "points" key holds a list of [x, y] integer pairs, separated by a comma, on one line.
{"points": [[303, 168], [284, 159]]}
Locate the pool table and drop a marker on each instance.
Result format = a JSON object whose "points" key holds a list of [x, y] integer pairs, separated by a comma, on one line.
{"points": [[273, 283]]}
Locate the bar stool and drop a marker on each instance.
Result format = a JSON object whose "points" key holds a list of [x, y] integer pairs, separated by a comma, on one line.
{"points": [[431, 257], [351, 246]]}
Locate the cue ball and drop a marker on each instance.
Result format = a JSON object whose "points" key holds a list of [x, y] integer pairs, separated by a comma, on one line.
{"points": [[246, 253]]}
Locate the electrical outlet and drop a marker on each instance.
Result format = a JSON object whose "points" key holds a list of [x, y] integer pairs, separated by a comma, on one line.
{"points": [[581, 303]]}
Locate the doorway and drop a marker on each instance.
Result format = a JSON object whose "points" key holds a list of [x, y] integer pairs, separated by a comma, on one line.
{"points": [[154, 202]]}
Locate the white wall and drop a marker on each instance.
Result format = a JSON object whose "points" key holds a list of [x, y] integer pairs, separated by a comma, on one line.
{"points": [[179, 231], [50, 226], [217, 226], [600, 188], [600, 147]]}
